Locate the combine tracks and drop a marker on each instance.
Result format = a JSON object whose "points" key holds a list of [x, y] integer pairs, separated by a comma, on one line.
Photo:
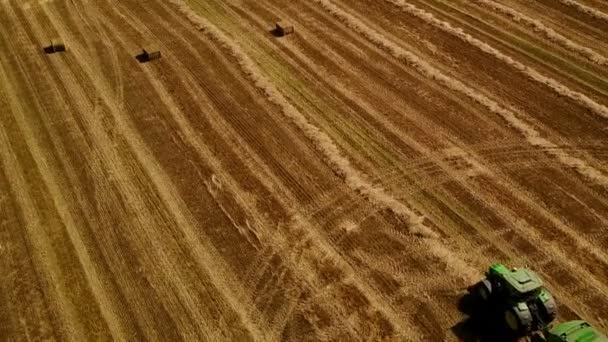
{"points": [[346, 182]]}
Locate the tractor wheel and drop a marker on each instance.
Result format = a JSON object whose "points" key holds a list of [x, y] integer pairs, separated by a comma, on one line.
{"points": [[519, 322], [484, 290], [512, 320], [548, 309]]}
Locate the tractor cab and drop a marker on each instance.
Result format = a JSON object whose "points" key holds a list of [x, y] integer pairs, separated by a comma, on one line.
{"points": [[519, 283]]}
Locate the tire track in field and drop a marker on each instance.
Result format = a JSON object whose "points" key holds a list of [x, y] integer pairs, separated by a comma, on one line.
{"points": [[278, 278], [481, 194], [522, 240], [547, 32], [425, 172], [84, 24], [532, 201], [231, 284], [301, 33], [583, 211], [42, 251], [319, 106], [369, 109], [540, 111], [189, 134], [445, 53], [249, 64], [25, 309], [94, 125], [497, 206], [332, 68], [502, 88], [174, 203], [300, 36], [75, 111], [363, 107], [530, 72], [47, 259], [335, 257], [301, 190], [50, 125], [396, 143], [341, 101], [572, 255], [62, 207], [120, 260], [580, 30], [447, 109], [341, 164], [292, 203], [143, 29], [547, 58], [92, 15], [531, 135], [50, 99], [216, 181], [507, 155]]}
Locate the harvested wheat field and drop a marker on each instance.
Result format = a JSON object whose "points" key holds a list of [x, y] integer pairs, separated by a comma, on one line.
{"points": [[347, 181]]}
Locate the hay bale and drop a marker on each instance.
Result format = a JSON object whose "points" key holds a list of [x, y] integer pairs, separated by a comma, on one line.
{"points": [[284, 28], [56, 45], [151, 52]]}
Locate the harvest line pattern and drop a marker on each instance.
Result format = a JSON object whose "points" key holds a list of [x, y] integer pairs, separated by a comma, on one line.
{"points": [[346, 182]]}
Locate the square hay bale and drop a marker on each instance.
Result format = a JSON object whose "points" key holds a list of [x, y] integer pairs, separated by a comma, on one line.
{"points": [[151, 52], [284, 28], [56, 45]]}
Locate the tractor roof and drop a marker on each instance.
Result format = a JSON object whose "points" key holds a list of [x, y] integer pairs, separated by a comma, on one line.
{"points": [[521, 280], [576, 331]]}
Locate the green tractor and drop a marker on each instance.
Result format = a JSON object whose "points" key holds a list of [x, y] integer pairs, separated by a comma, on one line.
{"points": [[519, 296], [573, 331]]}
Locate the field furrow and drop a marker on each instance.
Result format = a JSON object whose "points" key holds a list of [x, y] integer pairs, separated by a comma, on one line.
{"points": [[348, 181]]}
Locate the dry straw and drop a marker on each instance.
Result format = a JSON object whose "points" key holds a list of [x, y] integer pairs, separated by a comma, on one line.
{"points": [[531, 73], [340, 164], [548, 32], [324, 144], [586, 9], [424, 68]]}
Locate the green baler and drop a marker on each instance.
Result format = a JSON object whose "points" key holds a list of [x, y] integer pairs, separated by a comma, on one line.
{"points": [[574, 331]]}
